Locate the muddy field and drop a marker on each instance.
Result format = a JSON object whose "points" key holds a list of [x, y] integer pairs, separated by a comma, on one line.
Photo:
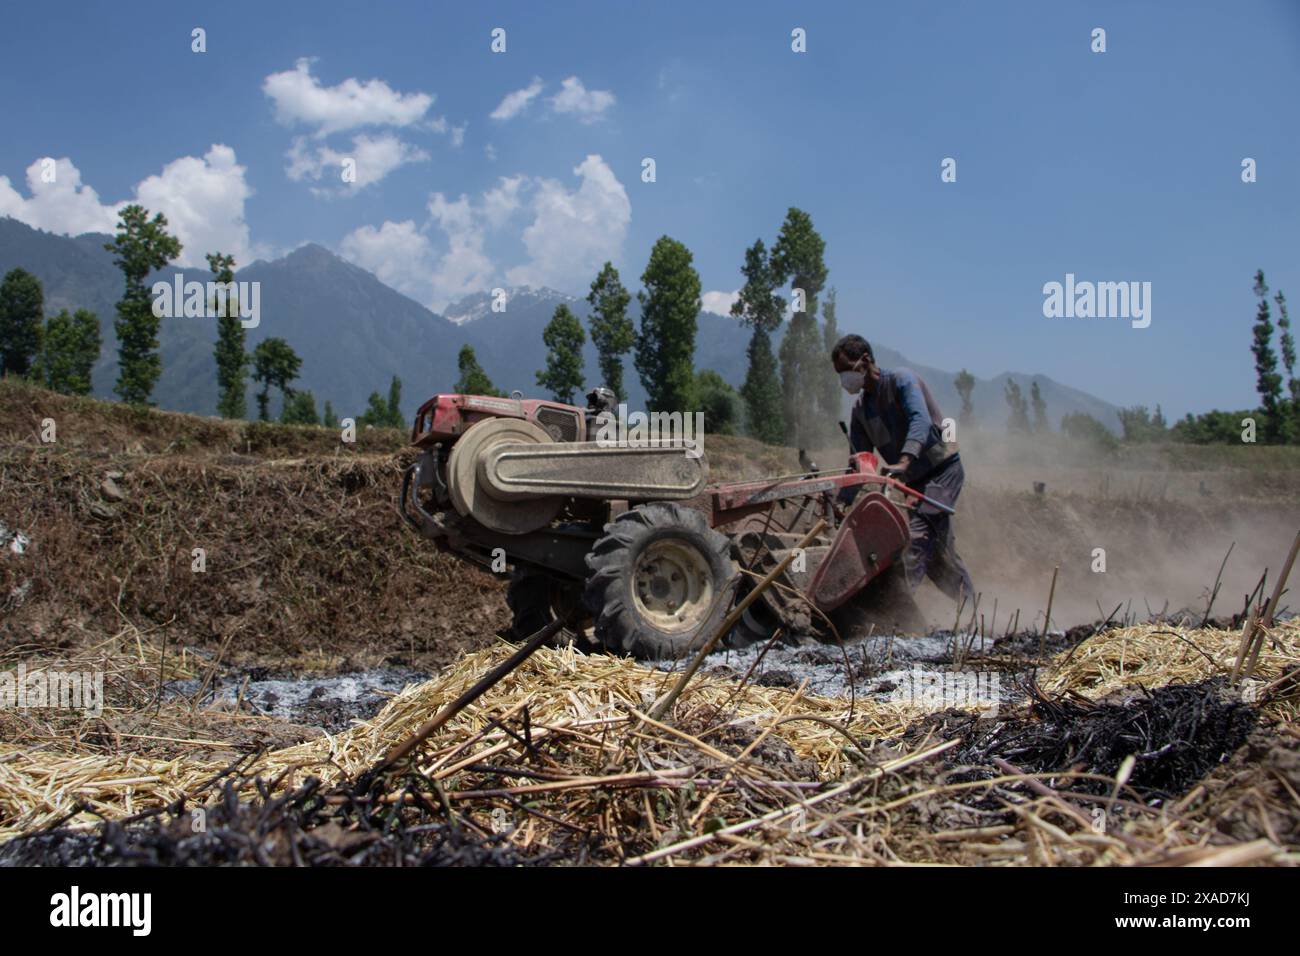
{"points": [[267, 628]]}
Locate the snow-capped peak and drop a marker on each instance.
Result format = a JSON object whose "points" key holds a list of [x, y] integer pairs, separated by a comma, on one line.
{"points": [[479, 304]]}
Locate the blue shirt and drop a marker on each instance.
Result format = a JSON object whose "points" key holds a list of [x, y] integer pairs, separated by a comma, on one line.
{"points": [[898, 417]]}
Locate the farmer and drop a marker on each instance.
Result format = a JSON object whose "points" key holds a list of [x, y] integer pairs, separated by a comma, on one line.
{"points": [[896, 417]]}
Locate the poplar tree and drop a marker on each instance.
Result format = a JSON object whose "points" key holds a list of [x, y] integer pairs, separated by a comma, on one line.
{"points": [[965, 385], [798, 258], [1268, 383], [759, 308], [141, 246], [611, 330], [232, 359], [563, 336], [665, 346]]}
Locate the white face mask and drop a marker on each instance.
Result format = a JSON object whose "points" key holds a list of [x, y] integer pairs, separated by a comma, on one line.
{"points": [[852, 381]]}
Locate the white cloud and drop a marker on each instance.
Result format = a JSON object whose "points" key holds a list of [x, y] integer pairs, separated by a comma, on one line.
{"points": [[490, 152], [300, 98], [403, 256], [374, 157], [500, 204], [458, 135], [574, 232], [64, 205], [569, 234], [587, 105], [719, 302], [202, 199], [515, 103], [464, 267], [397, 252]]}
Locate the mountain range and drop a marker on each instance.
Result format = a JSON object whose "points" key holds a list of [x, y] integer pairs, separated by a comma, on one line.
{"points": [[353, 333]]}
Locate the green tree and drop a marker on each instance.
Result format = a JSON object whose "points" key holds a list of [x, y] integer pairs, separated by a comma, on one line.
{"points": [[719, 403], [232, 359], [563, 336], [1287, 342], [330, 418], [764, 406], [1082, 427], [761, 309], [22, 309], [1268, 383], [798, 257], [385, 412], [612, 331], [473, 380], [300, 409], [965, 384], [1041, 424], [69, 349], [1211, 428], [395, 402], [141, 246], [670, 307], [830, 394], [1140, 425], [1019, 418], [376, 413], [274, 364]]}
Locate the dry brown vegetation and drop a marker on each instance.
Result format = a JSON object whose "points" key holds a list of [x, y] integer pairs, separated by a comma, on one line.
{"points": [[309, 569], [560, 761]]}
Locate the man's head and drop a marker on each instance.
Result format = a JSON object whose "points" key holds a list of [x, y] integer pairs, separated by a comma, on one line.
{"points": [[855, 362]]}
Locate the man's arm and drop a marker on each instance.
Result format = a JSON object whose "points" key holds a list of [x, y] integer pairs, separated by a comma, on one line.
{"points": [[919, 422], [858, 440]]}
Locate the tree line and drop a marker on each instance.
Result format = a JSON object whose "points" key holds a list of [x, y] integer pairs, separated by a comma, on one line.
{"points": [[790, 398], [59, 352], [794, 400], [1276, 420]]}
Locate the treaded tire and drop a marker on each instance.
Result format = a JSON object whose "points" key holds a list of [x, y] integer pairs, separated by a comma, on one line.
{"points": [[530, 598], [622, 623]]}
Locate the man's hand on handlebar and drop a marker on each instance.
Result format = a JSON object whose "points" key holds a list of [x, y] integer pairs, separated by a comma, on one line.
{"points": [[899, 469]]}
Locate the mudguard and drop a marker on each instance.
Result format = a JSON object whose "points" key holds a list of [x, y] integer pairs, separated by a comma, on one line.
{"points": [[871, 538]]}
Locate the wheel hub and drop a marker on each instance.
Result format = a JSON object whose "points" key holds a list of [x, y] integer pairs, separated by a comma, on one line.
{"points": [[672, 585]]}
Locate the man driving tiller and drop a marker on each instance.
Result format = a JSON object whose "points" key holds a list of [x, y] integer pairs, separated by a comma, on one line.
{"points": [[896, 417]]}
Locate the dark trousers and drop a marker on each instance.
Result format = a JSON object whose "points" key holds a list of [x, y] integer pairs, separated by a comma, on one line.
{"points": [[933, 551]]}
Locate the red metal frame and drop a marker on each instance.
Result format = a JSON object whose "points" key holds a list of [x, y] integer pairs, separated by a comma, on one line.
{"points": [[739, 499], [445, 417]]}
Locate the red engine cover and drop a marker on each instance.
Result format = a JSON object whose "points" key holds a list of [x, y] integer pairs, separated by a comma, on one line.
{"points": [[446, 417], [871, 538]]}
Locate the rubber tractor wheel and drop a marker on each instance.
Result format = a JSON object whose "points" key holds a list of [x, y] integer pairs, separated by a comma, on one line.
{"points": [[535, 600], [660, 582]]}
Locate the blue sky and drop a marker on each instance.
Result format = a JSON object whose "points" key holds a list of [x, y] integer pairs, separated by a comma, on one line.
{"points": [[1118, 166]]}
